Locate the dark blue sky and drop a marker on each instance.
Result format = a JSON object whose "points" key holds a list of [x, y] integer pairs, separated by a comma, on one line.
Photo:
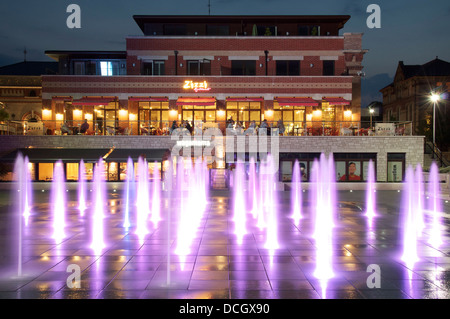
{"points": [[415, 31]]}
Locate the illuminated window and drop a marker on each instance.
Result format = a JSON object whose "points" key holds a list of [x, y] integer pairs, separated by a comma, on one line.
{"points": [[106, 68], [72, 171], [45, 171]]}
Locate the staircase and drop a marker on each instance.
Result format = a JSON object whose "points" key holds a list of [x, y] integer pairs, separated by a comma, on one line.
{"points": [[219, 178], [435, 154]]}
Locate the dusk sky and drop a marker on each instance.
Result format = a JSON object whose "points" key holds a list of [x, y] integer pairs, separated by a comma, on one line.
{"points": [[414, 31]]}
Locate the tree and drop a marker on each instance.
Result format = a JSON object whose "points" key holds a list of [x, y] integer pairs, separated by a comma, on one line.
{"points": [[3, 115]]}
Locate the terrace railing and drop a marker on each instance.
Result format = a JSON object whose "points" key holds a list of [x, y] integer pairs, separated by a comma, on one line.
{"points": [[291, 128]]}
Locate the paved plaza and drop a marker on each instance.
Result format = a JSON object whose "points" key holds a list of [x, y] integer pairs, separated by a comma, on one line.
{"points": [[218, 265]]}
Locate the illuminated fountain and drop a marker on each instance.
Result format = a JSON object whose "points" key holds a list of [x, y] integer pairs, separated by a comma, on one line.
{"points": [[239, 204], [419, 200], [296, 194], [142, 200], [22, 207], [269, 175], [58, 202], [410, 221], [129, 193], [191, 183], [97, 208], [82, 189], [323, 203], [371, 194], [434, 207], [156, 197], [253, 189]]}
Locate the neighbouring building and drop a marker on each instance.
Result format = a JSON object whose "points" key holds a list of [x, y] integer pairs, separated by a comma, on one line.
{"points": [[407, 98]]}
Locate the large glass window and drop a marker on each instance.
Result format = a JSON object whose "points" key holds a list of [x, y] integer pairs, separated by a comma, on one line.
{"points": [[72, 171], [291, 68], [99, 67], [305, 161], [153, 68], [352, 167], [395, 167], [199, 67], [197, 114], [45, 171], [328, 67], [153, 117], [309, 30], [217, 30], [243, 67], [244, 112], [105, 119], [293, 118]]}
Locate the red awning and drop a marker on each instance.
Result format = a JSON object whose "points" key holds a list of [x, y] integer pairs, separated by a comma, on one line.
{"points": [[196, 101], [336, 101], [93, 101], [148, 99], [296, 101], [245, 99]]}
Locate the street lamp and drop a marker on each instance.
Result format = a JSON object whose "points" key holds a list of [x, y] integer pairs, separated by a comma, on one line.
{"points": [[435, 99], [371, 111]]}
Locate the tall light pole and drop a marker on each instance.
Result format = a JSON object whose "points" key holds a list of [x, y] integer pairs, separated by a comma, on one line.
{"points": [[371, 111], [435, 99]]}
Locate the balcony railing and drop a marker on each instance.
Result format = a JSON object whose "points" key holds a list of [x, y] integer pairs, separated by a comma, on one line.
{"points": [[161, 128]]}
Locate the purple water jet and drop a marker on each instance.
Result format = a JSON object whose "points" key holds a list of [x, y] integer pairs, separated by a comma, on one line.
{"points": [[156, 197], [129, 192], [239, 204], [82, 188], [296, 194], [371, 193], [434, 207], [270, 176], [97, 208], [58, 202], [323, 203], [142, 200]]}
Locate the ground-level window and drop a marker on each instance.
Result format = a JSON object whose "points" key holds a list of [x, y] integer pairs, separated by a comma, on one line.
{"points": [[353, 167], [305, 161], [395, 167]]}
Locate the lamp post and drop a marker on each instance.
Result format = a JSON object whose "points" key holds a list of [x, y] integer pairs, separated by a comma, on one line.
{"points": [[371, 111], [435, 99]]}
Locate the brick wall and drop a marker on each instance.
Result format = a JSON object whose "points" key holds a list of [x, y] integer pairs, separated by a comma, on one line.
{"points": [[381, 145]]}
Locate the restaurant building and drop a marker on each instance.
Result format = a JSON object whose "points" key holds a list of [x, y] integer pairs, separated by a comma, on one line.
{"points": [[208, 69]]}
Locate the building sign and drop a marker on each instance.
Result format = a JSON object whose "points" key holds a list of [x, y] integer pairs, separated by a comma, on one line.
{"points": [[196, 86], [34, 128], [385, 129]]}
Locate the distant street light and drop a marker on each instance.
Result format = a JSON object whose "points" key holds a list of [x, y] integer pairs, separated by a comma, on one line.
{"points": [[435, 99], [371, 111]]}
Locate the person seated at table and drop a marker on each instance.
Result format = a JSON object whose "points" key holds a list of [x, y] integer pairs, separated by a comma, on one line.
{"points": [[280, 127], [120, 130], [84, 127], [264, 127], [144, 130], [65, 129], [174, 126]]}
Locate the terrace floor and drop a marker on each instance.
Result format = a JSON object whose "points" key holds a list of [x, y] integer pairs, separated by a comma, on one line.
{"points": [[218, 266]]}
